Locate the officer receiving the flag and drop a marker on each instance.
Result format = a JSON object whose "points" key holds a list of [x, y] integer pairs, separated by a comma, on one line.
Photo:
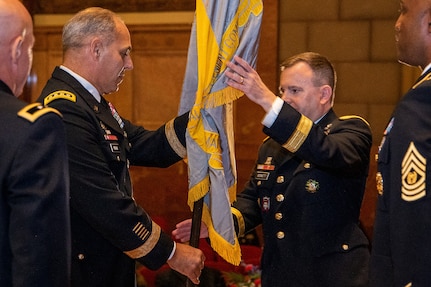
{"points": [[307, 186]]}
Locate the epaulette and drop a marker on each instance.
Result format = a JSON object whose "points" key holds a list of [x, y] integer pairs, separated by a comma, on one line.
{"points": [[34, 111], [343, 118], [65, 95], [426, 78]]}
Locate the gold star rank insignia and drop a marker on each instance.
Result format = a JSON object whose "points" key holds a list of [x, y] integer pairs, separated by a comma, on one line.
{"points": [[413, 175]]}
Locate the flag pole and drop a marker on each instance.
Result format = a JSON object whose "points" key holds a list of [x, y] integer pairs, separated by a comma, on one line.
{"points": [[196, 229]]}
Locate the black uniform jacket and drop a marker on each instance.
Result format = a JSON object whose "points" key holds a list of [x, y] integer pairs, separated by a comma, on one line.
{"points": [[34, 195], [401, 253], [306, 190], [109, 229]]}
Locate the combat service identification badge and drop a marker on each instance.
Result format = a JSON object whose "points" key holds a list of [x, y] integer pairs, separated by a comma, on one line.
{"points": [[312, 186], [413, 175]]}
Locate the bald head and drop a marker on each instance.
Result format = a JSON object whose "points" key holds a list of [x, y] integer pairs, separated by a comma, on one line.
{"points": [[16, 43]]}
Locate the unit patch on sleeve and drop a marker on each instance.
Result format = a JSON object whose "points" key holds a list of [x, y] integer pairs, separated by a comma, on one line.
{"points": [[413, 175]]}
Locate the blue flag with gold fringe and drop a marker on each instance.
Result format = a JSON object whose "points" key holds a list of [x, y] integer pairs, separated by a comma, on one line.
{"points": [[221, 29]]}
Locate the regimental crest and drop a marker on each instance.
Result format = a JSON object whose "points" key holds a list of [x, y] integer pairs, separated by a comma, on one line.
{"points": [[413, 175], [327, 129], [312, 186]]}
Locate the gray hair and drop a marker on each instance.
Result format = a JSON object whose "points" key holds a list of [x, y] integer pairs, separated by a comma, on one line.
{"points": [[93, 21]]}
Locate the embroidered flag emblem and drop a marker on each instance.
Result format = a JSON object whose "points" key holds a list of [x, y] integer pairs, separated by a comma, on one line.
{"points": [[413, 171]]}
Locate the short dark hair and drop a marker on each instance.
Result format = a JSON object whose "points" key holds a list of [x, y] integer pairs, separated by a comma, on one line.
{"points": [[322, 68]]}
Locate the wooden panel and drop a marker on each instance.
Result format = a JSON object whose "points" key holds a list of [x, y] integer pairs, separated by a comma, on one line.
{"points": [[73, 6]]}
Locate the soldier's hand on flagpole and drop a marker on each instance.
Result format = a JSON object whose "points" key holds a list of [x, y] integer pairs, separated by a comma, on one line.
{"points": [[243, 77], [183, 229], [188, 261]]}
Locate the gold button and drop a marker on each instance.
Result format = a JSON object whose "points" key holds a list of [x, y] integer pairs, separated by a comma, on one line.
{"points": [[377, 157], [81, 256], [280, 235], [345, 247], [278, 215], [280, 197], [280, 179], [259, 183], [307, 165]]}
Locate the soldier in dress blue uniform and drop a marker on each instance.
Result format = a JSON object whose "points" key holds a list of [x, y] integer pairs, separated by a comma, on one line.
{"points": [[109, 230], [401, 248], [34, 183], [307, 186]]}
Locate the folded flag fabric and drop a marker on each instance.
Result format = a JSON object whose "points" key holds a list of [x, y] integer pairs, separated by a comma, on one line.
{"points": [[221, 29]]}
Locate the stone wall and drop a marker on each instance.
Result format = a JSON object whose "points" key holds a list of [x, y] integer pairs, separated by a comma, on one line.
{"points": [[358, 37]]}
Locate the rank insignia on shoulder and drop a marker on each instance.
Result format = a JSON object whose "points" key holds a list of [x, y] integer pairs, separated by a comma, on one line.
{"points": [[426, 78], [65, 95], [413, 174], [349, 117], [34, 111]]}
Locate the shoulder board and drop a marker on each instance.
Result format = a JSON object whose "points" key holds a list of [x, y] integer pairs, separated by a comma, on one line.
{"points": [[34, 111], [426, 78], [65, 95], [343, 118]]}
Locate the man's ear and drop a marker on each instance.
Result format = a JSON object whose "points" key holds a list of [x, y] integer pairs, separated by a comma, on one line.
{"points": [[96, 47], [325, 94], [17, 49], [428, 19]]}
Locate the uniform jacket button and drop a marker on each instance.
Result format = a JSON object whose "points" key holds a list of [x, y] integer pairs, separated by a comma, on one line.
{"points": [[280, 235], [278, 216], [280, 197], [81, 256], [345, 247], [280, 179], [307, 165]]}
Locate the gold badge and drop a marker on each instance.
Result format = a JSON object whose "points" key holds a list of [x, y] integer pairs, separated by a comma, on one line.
{"points": [[413, 175], [379, 182], [327, 129], [312, 186]]}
